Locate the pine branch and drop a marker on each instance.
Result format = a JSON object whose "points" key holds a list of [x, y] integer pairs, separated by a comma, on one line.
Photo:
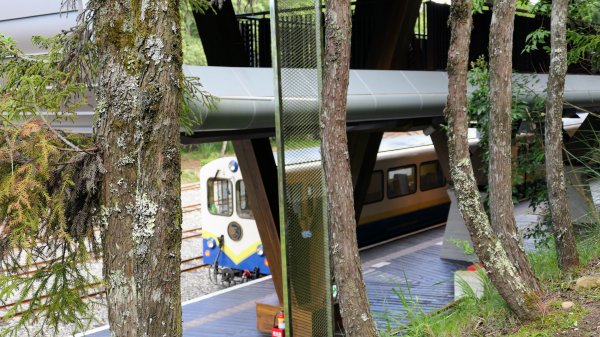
{"points": [[61, 137]]}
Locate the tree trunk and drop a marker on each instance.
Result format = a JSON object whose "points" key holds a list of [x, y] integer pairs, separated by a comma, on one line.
{"points": [[139, 100], [502, 271], [223, 149], [354, 305], [500, 170], [555, 176]]}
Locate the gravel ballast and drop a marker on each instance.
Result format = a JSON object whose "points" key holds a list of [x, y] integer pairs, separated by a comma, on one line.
{"points": [[194, 283]]}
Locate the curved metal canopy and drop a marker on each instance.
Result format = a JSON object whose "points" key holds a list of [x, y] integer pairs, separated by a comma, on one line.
{"points": [[245, 95]]}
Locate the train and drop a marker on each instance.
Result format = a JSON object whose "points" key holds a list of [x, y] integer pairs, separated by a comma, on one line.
{"points": [[407, 192]]}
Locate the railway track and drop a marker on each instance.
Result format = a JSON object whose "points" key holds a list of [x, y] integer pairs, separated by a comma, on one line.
{"points": [[186, 235], [185, 209], [189, 187], [98, 285], [190, 208]]}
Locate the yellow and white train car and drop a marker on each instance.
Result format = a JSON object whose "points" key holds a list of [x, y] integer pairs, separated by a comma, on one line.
{"points": [[407, 191]]}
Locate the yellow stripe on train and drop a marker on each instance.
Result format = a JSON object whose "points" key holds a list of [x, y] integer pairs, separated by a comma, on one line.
{"points": [[236, 258]]}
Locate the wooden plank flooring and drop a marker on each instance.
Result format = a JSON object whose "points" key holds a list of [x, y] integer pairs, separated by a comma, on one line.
{"points": [[410, 265]]}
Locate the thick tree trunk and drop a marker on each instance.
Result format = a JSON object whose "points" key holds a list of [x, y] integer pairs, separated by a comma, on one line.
{"points": [[509, 281], [354, 305], [139, 98], [500, 170], [555, 176]]}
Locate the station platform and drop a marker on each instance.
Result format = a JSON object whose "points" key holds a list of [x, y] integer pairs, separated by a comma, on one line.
{"points": [[410, 264]]}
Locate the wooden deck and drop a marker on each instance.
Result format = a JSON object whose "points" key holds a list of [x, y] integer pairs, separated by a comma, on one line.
{"points": [[410, 265]]}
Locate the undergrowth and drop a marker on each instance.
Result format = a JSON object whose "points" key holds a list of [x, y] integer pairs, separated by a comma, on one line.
{"points": [[489, 314]]}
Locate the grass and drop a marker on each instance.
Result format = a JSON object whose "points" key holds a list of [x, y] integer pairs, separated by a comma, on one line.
{"points": [[490, 315], [556, 320], [463, 315], [194, 156]]}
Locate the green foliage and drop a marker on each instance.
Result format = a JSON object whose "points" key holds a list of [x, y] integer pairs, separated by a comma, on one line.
{"points": [[193, 53], [254, 6], [50, 181], [527, 131], [48, 184], [537, 38], [204, 153], [553, 323], [48, 198], [479, 6], [464, 245], [55, 291], [489, 314], [464, 315], [36, 83], [195, 101], [545, 263], [583, 32]]}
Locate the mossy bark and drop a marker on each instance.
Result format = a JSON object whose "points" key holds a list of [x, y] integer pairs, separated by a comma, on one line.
{"points": [[139, 98], [500, 170], [502, 271], [555, 176], [354, 305]]}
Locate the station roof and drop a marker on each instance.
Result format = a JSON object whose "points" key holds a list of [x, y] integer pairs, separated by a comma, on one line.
{"points": [[246, 107], [246, 95]]}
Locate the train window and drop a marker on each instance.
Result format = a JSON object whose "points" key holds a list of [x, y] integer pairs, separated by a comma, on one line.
{"points": [[220, 199], [402, 181], [431, 175], [242, 202], [375, 191]]}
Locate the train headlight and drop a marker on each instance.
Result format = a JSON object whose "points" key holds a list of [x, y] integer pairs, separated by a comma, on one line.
{"points": [[259, 250], [210, 243], [233, 166]]}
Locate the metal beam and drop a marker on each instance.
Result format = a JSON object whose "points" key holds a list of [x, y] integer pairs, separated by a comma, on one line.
{"points": [[584, 140], [220, 34]]}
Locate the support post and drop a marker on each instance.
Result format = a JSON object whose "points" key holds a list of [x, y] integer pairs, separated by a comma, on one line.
{"points": [[584, 139], [440, 143], [255, 157], [220, 35], [363, 148]]}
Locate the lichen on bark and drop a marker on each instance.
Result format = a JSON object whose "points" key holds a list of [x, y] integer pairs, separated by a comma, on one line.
{"points": [[507, 278], [354, 305], [140, 87], [561, 225]]}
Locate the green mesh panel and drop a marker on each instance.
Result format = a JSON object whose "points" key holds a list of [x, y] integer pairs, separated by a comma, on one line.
{"points": [[305, 243]]}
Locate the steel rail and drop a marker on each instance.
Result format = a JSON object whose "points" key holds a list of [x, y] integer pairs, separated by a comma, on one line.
{"points": [[92, 285]]}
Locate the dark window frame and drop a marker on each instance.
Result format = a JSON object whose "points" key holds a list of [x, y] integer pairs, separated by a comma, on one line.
{"points": [[244, 214], [444, 181], [414, 166], [210, 191], [382, 188]]}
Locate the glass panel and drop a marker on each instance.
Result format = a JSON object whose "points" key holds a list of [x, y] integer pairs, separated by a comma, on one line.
{"points": [[220, 199], [401, 181], [431, 175], [297, 33], [241, 198], [375, 191]]}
